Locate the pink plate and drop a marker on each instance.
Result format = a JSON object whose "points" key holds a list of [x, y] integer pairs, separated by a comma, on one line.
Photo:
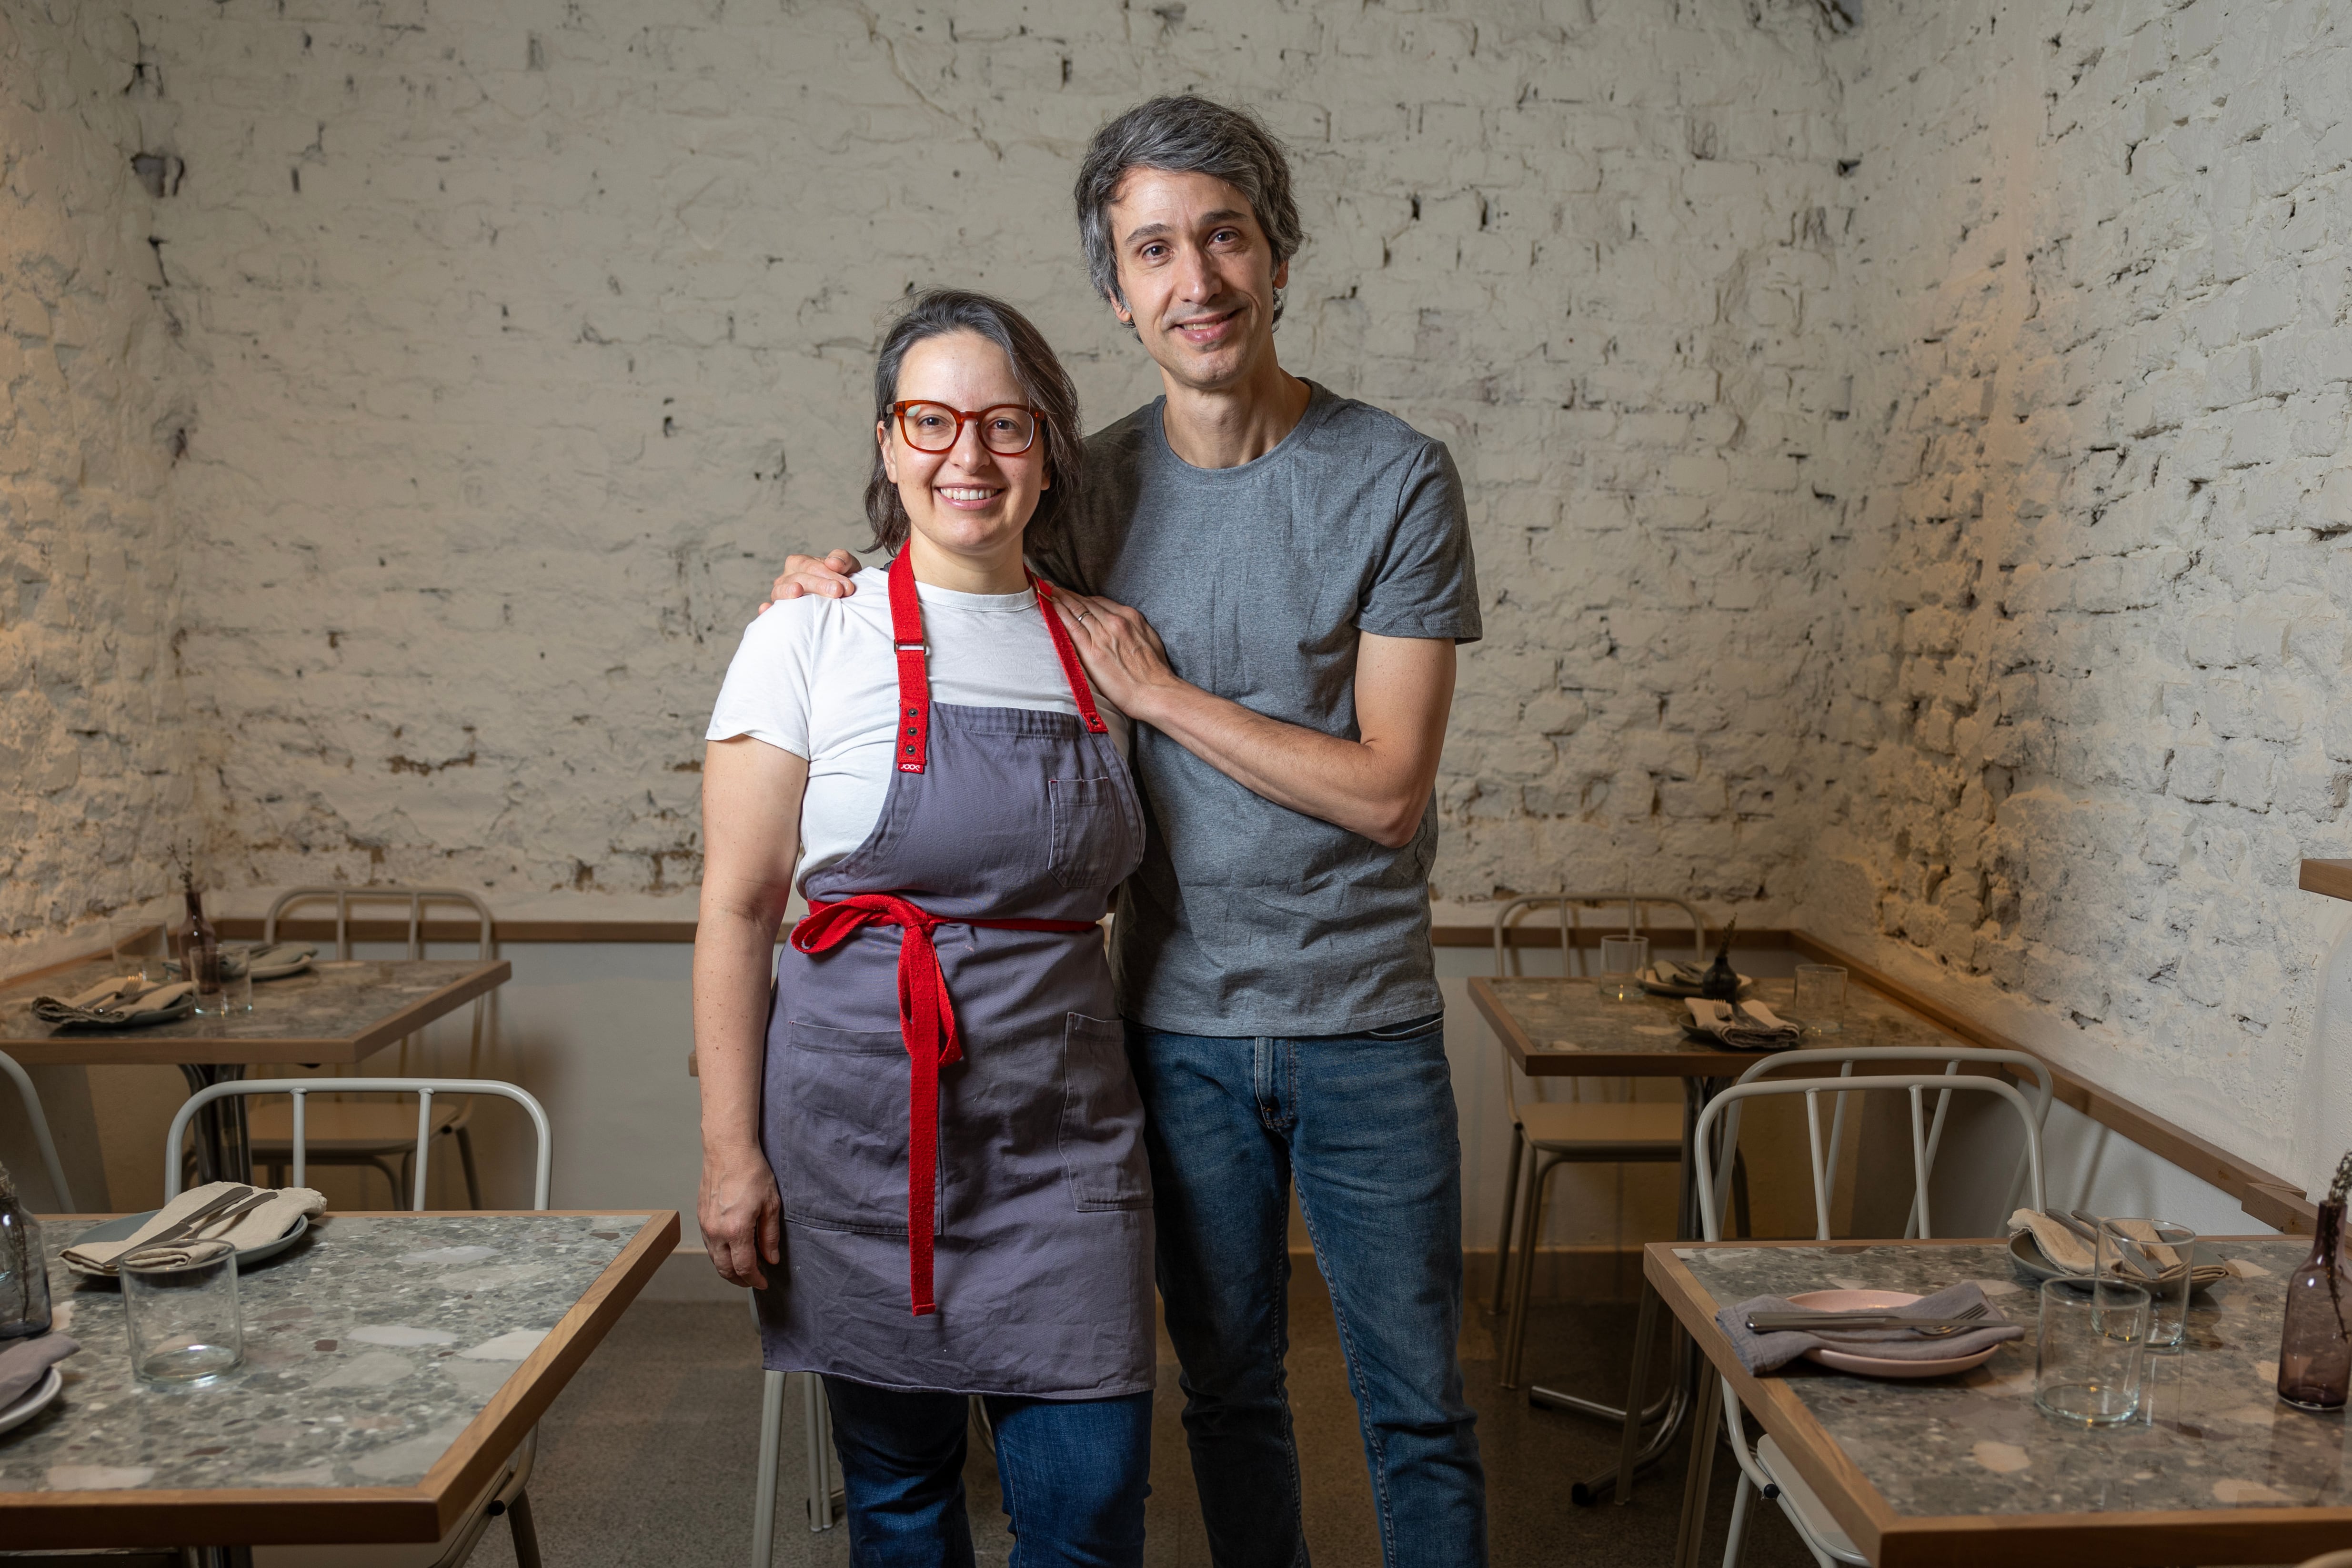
{"points": [[1879, 1366]]}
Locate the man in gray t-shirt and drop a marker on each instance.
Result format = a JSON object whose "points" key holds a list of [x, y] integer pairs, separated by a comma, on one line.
{"points": [[1271, 580], [1248, 917]]}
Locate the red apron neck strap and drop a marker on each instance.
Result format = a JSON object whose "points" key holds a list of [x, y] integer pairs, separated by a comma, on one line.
{"points": [[1081, 692], [914, 720]]}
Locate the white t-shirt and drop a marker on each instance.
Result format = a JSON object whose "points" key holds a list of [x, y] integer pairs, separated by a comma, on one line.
{"points": [[819, 677]]}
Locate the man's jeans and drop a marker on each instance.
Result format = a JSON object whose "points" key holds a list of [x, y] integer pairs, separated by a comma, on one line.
{"points": [[1073, 1474], [1365, 1123]]}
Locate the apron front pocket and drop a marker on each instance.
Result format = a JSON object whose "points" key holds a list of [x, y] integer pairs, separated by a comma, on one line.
{"points": [[1088, 845], [844, 1126], [1102, 1117]]}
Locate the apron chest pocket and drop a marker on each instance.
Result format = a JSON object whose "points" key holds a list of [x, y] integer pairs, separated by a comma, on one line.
{"points": [[842, 1130], [1090, 834], [1102, 1117]]}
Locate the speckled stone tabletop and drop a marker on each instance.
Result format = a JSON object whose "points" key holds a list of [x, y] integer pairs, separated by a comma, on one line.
{"points": [[334, 1011], [368, 1348], [2212, 1433], [1566, 1020]]}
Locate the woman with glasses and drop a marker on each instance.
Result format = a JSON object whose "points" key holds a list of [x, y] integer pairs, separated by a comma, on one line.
{"points": [[924, 1149]]}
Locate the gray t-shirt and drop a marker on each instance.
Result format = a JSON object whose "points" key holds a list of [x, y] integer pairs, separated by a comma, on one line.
{"points": [[1247, 918]]}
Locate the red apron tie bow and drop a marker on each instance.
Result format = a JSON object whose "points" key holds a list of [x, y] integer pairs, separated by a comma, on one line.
{"points": [[927, 1023]]}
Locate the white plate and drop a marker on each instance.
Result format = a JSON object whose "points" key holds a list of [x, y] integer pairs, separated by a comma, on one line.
{"points": [[33, 1404], [1879, 1366]]}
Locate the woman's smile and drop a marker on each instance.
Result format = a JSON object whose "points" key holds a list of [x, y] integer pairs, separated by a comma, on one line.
{"points": [[968, 498]]}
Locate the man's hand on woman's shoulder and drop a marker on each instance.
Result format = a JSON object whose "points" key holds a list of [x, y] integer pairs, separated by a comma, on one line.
{"points": [[828, 578]]}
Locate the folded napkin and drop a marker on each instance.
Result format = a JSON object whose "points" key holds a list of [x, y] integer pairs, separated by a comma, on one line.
{"points": [[1767, 1353], [263, 962], [2069, 1252], [124, 1002], [24, 1362], [1749, 1027], [255, 1227]]}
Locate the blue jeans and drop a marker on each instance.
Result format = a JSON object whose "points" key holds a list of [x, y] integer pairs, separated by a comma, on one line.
{"points": [[1073, 1473], [1366, 1126]]}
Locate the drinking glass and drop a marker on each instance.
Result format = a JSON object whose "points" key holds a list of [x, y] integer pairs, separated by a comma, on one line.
{"points": [[138, 947], [235, 996], [1622, 959], [1820, 1005], [2123, 1254], [184, 1328], [2092, 1355]]}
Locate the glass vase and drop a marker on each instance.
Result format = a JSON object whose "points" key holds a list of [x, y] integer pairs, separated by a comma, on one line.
{"points": [[24, 1269], [2315, 1342]]}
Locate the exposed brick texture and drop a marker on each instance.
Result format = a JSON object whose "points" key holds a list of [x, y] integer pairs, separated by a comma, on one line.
{"points": [[96, 774], [1907, 460], [2089, 700]]}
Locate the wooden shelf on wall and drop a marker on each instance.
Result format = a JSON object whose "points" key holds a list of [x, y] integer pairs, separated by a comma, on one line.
{"points": [[2333, 877]]}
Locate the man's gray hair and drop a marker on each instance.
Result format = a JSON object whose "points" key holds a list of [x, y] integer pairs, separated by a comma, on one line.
{"points": [[1186, 135]]}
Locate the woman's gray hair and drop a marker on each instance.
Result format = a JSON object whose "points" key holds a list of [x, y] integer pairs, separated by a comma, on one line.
{"points": [[1186, 135], [935, 314]]}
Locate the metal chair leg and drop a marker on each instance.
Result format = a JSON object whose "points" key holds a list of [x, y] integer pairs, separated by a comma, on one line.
{"points": [[1742, 1495], [1510, 1212], [1514, 1332], [466, 1160], [526, 1534], [771, 1442], [822, 1497], [1645, 1335], [1697, 1480]]}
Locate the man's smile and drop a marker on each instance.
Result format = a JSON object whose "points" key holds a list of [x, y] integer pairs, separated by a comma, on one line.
{"points": [[1203, 330]]}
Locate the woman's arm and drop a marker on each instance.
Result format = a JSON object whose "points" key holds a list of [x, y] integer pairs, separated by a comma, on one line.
{"points": [[750, 838]]}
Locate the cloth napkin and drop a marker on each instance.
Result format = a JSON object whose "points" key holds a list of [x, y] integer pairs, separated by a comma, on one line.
{"points": [[26, 1361], [2071, 1253], [253, 1228], [124, 1002], [259, 960], [1768, 1352], [1750, 1027]]}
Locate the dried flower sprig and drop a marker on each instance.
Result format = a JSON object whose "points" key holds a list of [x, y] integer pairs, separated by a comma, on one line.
{"points": [[2342, 1184]]}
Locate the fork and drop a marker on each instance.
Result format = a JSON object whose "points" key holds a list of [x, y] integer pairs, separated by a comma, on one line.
{"points": [[190, 1224], [1815, 1322]]}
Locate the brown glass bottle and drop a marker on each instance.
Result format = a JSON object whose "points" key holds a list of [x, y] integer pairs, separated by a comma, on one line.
{"points": [[2314, 1342], [200, 959]]}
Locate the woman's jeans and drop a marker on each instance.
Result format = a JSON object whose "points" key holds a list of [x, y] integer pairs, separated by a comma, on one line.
{"points": [[1073, 1474], [1366, 1126]]}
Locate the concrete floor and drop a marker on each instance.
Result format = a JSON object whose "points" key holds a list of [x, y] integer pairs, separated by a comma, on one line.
{"points": [[649, 1456]]}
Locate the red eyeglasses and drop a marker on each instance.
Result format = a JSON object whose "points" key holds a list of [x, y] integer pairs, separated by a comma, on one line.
{"points": [[1007, 430]]}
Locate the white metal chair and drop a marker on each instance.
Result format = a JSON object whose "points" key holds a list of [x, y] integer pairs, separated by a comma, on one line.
{"points": [[373, 1134], [1764, 1468], [816, 1420], [1568, 1132], [507, 1495], [11, 1069]]}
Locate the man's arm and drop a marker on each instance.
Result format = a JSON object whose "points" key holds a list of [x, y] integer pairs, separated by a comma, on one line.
{"points": [[827, 579], [1377, 785], [751, 832]]}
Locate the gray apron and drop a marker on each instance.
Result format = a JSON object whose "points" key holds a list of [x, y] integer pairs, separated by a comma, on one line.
{"points": [[951, 970]]}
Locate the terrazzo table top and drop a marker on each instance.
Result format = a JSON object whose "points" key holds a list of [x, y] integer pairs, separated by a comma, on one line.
{"points": [[336, 1011], [392, 1362], [1965, 1469], [1561, 1028]]}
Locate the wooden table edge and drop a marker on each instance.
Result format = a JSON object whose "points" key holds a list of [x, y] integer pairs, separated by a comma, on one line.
{"points": [[272, 1516], [2244, 1533], [1694, 1062], [208, 1050], [471, 1462], [1840, 1484]]}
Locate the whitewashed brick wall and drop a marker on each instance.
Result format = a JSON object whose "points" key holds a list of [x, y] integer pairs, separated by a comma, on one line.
{"points": [[95, 776], [2089, 700], [1908, 463], [533, 336]]}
